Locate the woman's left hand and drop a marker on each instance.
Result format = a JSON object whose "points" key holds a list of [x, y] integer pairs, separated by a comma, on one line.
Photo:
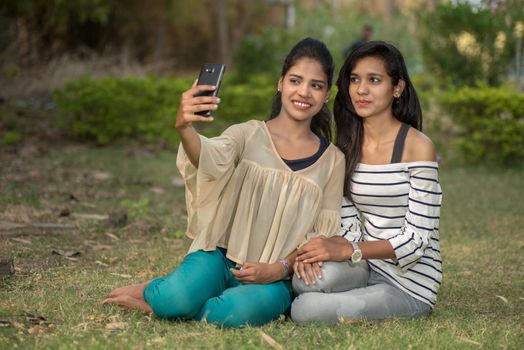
{"points": [[259, 273], [321, 248]]}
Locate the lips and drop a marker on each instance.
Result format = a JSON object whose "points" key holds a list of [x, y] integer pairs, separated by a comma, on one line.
{"points": [[362, 103]]}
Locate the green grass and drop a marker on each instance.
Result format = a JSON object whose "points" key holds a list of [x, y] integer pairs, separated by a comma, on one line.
{"points": [[482, 242]]}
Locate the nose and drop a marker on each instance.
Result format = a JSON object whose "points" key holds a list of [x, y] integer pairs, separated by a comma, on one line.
{"points": [[303, 90], [362, 88]]}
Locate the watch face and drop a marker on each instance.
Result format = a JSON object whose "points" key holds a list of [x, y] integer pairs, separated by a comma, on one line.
{"points": [[356, 256]]}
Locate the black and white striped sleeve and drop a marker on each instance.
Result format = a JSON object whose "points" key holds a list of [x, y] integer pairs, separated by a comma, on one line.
{"points": [[422, 217], [350, 221]]}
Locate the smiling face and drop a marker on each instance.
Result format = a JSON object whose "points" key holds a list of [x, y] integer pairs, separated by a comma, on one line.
{"points": [[304, 90], [371, 88]]}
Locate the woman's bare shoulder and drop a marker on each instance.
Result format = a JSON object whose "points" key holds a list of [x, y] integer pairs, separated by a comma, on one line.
{"points": [[418, 147]]}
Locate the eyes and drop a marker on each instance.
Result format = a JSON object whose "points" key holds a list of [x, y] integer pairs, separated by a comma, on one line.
{"points": [[354, 79], [314, 84]]}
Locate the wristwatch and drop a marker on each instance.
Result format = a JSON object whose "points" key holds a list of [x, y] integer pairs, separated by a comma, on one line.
{"points": [[356, 256]]}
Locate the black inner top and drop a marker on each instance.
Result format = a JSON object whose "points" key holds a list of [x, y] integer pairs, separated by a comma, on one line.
{"points": [[299, 164]]}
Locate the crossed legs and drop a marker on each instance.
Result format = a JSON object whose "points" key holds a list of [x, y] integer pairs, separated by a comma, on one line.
{"points": [[203, 288]]}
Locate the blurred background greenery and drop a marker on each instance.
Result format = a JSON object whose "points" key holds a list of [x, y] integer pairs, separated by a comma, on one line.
{"points": [[105, 71], [88, 95]]}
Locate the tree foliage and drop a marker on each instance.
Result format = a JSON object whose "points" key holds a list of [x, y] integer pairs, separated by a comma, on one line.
{"points": [[35, 31], [464, 44]]}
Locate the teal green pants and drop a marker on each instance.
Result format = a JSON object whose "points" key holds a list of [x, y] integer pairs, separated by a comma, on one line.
{"points": [[203, 288]]}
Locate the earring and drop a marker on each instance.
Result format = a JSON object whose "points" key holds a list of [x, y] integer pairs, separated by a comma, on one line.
{"points": [[278, 89], [326, 101]]}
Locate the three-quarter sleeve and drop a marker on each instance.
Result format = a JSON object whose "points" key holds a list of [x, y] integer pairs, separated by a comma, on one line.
{"points": [[327, 222], [204, 185], [351, 226], [422, 217]]}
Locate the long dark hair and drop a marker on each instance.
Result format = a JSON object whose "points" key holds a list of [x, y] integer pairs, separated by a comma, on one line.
{"points": [[350, 130], [317, 50]]}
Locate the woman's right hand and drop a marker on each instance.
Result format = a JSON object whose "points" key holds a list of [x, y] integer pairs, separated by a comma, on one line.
{"points": [[189, 105], [321, 248]]}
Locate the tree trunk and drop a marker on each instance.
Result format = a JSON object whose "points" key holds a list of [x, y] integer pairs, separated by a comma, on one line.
{"points": [[222, 30], [290, 14], [389, 10]]}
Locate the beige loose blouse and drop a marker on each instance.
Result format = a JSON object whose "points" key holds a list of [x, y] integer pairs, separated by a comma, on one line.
{"points": [[244, 198]]}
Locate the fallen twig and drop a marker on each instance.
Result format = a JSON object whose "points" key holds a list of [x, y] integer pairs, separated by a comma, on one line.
{"points": [[13, 228], [270, 341]]}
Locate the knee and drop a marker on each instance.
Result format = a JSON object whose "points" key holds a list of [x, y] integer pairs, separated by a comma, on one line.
{"points": [[303, 309], [168, 303], [242, 309], [300, 287], [328, 270], [319, 286], [230, 316]]}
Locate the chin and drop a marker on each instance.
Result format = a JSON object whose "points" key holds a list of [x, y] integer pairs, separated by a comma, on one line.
{"points": [[364, 115]]}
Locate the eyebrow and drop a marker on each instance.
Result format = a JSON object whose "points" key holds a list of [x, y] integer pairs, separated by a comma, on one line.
{"points": [[368, 74], [314, 80]]}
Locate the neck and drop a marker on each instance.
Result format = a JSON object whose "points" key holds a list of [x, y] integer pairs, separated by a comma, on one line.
{"points": [[379, 130], [289, 128]]}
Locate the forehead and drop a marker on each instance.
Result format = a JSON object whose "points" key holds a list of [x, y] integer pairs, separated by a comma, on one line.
{"points": [[368, 65], [308, 68]]}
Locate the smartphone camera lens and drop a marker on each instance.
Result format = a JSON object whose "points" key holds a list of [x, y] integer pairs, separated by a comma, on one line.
{"points": [[209, 70]]}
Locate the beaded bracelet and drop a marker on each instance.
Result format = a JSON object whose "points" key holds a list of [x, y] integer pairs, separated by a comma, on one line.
{"points": [[286, 267]]}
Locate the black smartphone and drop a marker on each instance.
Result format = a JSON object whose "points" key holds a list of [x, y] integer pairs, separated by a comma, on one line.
{"points": [[210, 74]]}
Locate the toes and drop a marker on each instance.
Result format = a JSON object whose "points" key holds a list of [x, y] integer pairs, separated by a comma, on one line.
{"points": [[113, 294], [107, 301]]}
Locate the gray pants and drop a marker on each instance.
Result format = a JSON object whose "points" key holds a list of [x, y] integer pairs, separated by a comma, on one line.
{"points": [[351, 291]]}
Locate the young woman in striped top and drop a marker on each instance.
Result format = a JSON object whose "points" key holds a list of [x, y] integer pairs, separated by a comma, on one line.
{"points": [[386, 261]]}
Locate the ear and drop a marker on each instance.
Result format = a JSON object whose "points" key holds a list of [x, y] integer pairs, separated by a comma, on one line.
{"points": [[328, 93], [279, 85], [399, 88]]}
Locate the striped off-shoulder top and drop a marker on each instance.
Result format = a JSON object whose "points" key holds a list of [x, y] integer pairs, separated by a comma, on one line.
{"points": [[399, 202]]}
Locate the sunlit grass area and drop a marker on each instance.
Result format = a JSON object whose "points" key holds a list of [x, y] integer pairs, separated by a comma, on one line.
{"points": [[62, 273]]}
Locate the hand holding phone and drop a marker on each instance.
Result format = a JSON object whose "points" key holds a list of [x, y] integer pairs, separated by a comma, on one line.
{"points": [[210, 74]]}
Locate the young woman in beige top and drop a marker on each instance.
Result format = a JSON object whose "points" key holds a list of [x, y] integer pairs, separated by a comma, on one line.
{"points": [[253, 194]]}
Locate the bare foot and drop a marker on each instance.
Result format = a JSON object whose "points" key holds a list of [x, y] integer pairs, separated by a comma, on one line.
{"points": [[135, 291], [129, 303]]}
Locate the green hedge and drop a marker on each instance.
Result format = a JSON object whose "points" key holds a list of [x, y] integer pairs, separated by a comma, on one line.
{"points": [[110, 109], [490, 123]]}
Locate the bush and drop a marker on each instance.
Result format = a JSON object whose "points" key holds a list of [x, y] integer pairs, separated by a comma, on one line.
{"points": [[109, 109], [490, 123], [12, 126]]}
